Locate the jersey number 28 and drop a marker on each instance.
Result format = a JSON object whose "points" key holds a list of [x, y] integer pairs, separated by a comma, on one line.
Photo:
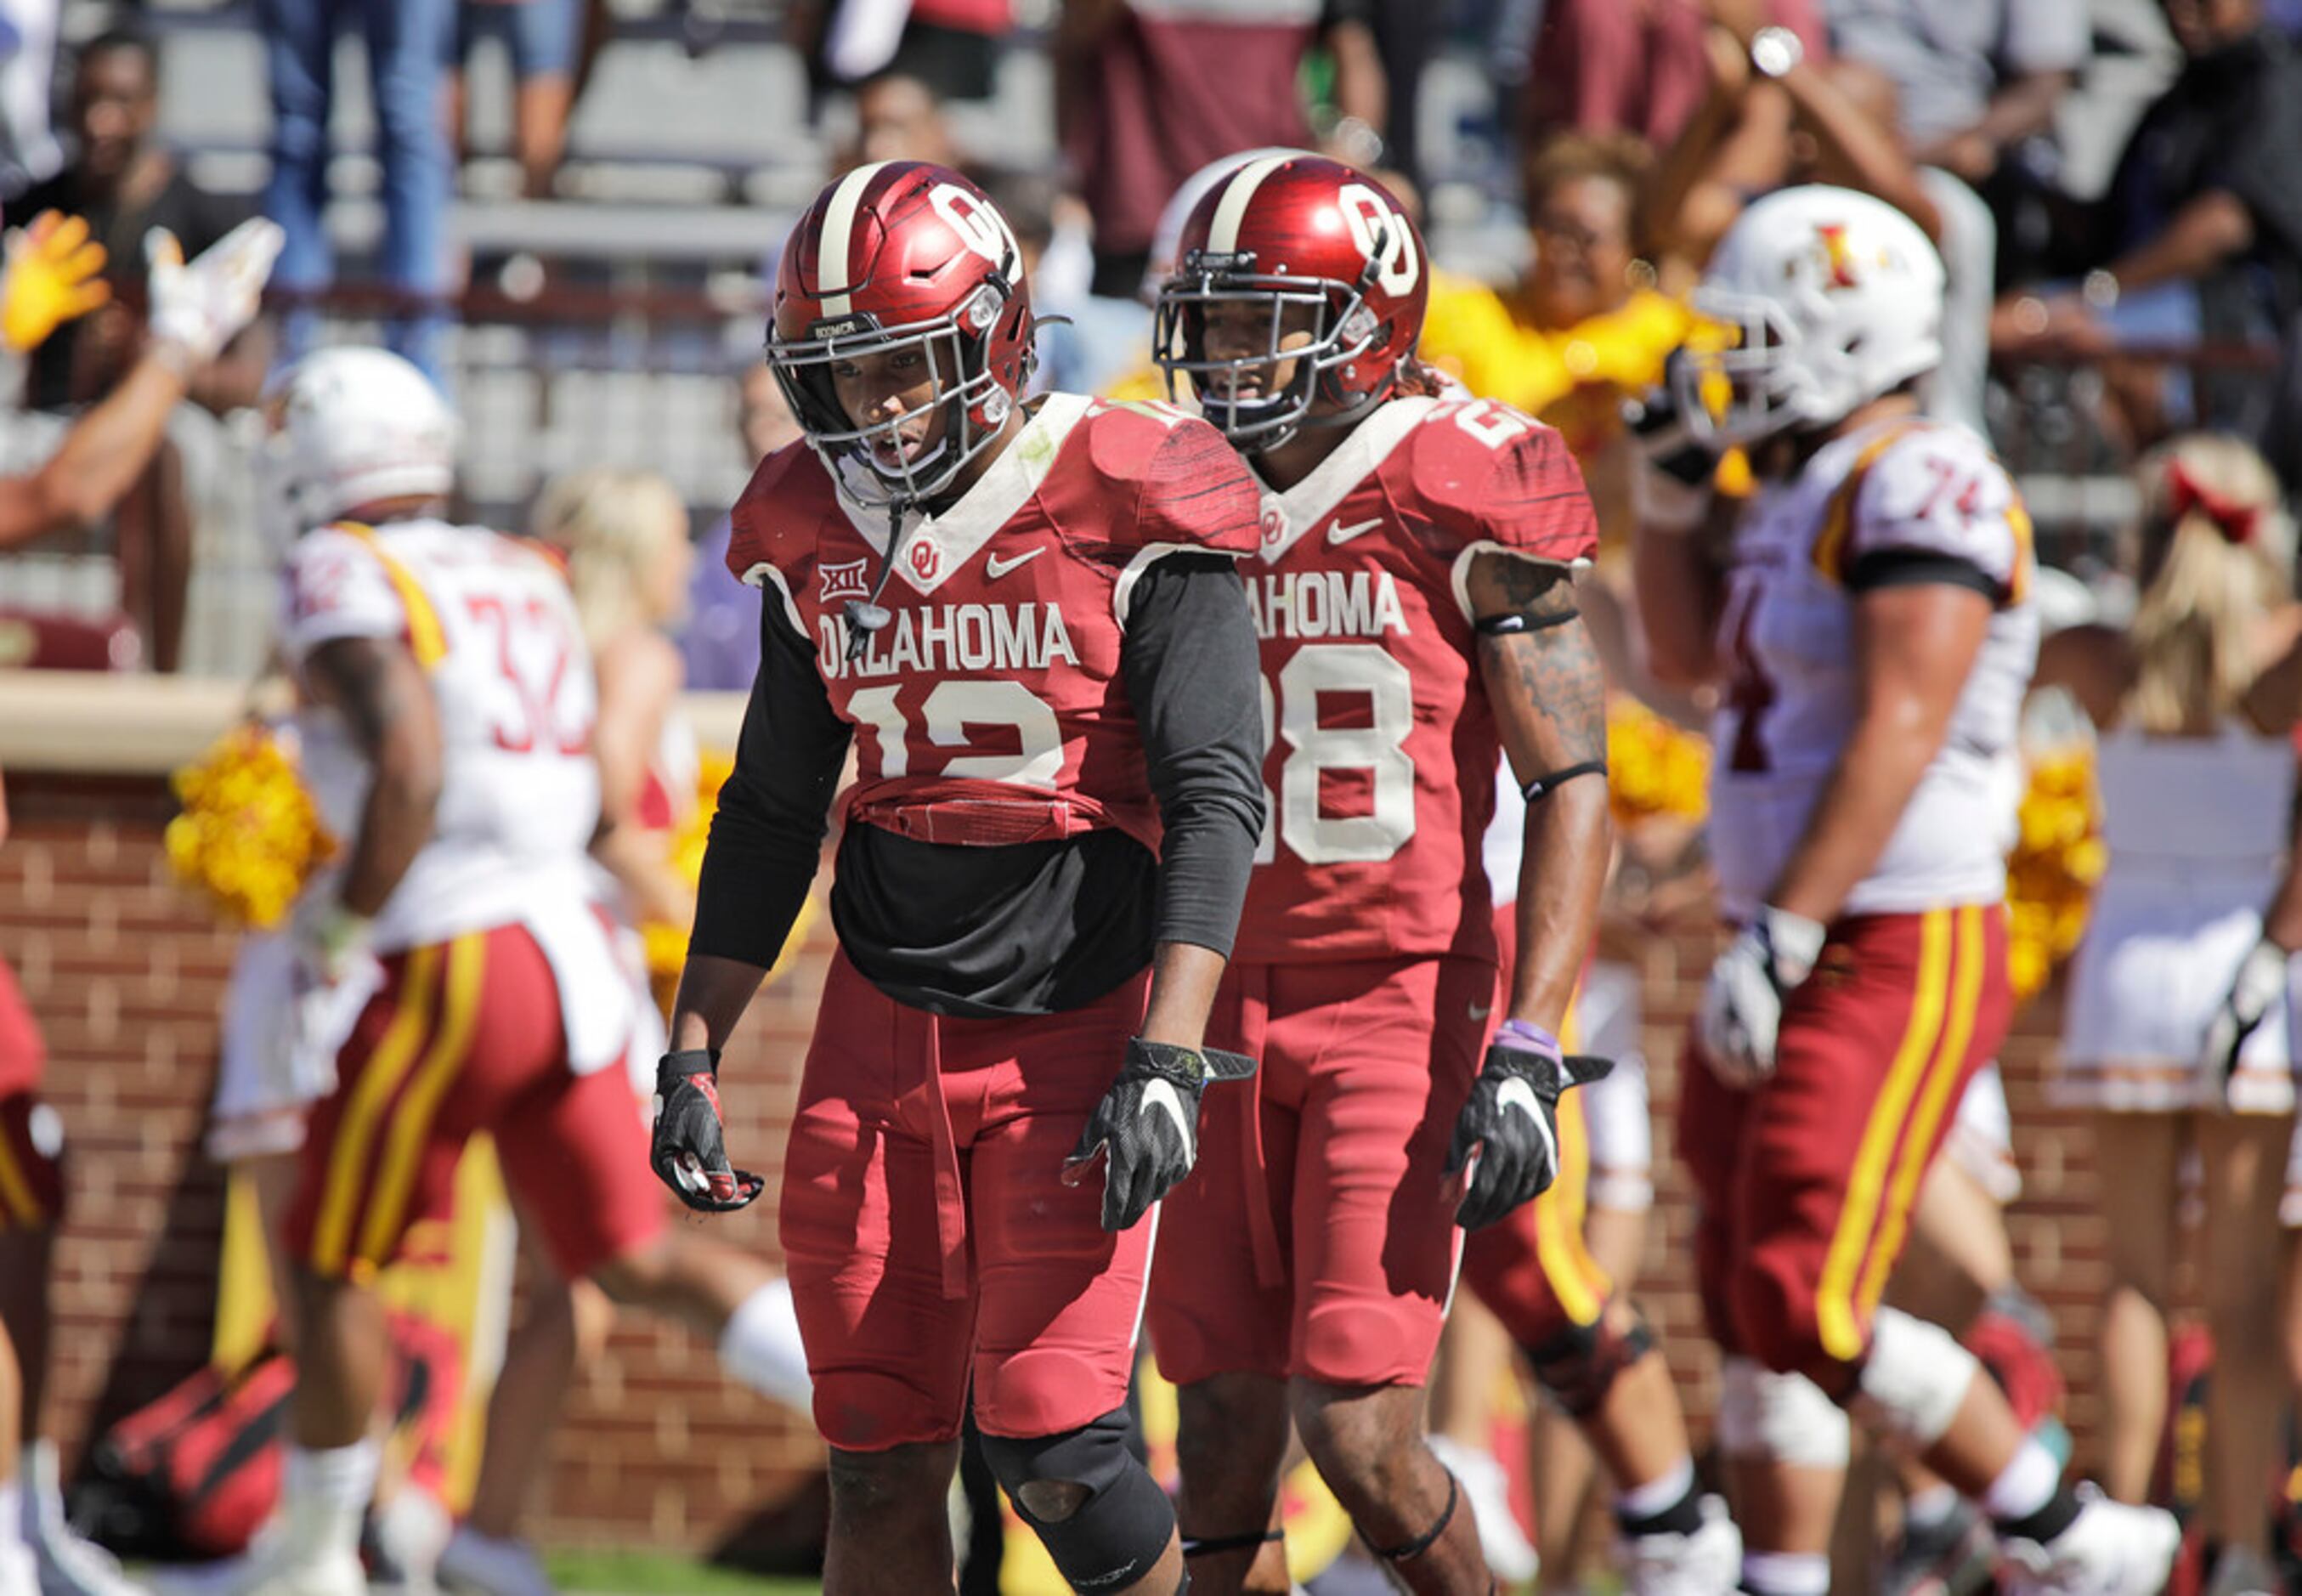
{"points": [[1374, 742]]}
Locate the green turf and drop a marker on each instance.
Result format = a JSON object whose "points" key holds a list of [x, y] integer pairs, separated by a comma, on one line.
{"points": [[647, 1573]]}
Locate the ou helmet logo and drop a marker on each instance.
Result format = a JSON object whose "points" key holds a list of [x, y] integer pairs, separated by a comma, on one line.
{"points": [[1372, 221], [979, 226]]}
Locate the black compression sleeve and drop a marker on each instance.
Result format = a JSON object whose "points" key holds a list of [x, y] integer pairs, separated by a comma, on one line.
{"points": [[768, 833], [1192, 670]]}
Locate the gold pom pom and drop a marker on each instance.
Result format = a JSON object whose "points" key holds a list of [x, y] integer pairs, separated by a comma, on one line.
{"points": [[249, 835]]}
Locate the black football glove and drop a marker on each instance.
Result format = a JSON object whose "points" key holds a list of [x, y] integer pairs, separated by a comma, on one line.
{"points": [[690, 1149], [1673, 484], [1147, 1125], [1508, 1133]]}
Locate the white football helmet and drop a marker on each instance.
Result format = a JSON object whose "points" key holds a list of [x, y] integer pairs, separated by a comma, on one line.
{"points": [[350, 426], [1830, 298]]}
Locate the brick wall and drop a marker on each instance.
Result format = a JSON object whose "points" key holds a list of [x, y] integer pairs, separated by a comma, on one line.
{"points": [[127, 975]]}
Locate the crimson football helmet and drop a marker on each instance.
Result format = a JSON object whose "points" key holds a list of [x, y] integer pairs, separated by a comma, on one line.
{"points": [[1294, 229], [897, 255]]}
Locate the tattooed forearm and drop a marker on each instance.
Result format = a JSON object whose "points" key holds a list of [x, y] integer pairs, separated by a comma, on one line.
{"points": [[1559, 690], [1549, 695], [1547, 686]]}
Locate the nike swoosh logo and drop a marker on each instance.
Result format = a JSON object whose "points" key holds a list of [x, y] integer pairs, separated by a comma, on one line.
{"points": [[1161, 1095], [995, 568], [1480, 1011], [1515, 1092], [1339, 535]]}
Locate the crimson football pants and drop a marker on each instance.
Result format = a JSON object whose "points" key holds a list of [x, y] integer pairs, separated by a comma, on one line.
{"points": [[1807, 1181], [1316, 1236], [466, 1036], [929, 1233], [31, 1163]]}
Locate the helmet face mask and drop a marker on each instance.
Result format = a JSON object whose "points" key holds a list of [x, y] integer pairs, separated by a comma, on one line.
{"points": [[902, 258], [1337, 333], [1753, 384], [964, 406]]}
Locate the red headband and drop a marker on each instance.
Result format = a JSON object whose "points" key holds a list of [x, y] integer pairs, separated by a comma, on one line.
{"points": [[2185, 493]]}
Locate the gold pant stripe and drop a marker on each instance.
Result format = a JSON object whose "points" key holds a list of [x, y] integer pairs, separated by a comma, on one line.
{"points": [[23, 1208], [1841, 1331], [347, 1159], [1969, 950], [411, 1121]]}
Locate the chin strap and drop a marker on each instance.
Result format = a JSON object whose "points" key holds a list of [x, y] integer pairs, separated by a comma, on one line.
{"points": [[866, 617]]}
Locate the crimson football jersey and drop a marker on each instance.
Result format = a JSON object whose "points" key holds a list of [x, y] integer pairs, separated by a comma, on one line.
{"points": [[1381, 754], [992, 705]]}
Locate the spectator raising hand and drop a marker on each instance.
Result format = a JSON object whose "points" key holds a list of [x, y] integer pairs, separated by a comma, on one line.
{"points": [[196, 307], [54, 276]]}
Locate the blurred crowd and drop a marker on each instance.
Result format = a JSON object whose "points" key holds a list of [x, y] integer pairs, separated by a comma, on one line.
{"points": [[2112, 185], [2106, 180]]}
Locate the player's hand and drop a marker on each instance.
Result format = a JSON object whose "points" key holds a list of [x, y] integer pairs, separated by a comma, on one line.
{"points": [[51, 278], [1672, 487], [1742, 1006], [198, 307], [1147, 1128], [330, 944], [2259, 985], [690, 1148], [1508, 1133]]}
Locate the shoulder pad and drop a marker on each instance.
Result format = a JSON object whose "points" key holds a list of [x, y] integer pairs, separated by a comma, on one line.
{"points": [[782, 499], [1183, 480], [1485, 472], [1929, 489]]}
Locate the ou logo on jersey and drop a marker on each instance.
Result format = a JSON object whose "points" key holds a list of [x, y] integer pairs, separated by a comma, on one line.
{"points": [[1374, 222], [980, 228]]}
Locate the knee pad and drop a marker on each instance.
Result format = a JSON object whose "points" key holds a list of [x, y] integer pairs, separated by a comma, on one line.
{"points": [[1915, 1377], [1580, 1364], [1123, 1520], [1782, 1418]]}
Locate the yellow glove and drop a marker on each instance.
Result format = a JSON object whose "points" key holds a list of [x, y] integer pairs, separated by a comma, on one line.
{"points": [[52, 268]]}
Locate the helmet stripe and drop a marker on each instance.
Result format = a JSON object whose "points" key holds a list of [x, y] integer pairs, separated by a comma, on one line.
{"points": [[831, 264], [1223, 233]]}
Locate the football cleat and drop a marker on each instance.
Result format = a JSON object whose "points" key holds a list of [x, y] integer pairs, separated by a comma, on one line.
{"points": [[2109, 1549], [1510, 1555], [2241, 1570], [478, 1564], [67, 1563], [1707, 1562]]}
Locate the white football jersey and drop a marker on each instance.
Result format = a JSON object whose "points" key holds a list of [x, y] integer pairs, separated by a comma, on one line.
{"points": [[1903, 500], [490, 620]]}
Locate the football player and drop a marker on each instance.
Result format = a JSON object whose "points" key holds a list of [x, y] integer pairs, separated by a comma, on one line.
{"points": [[1032, 617], [1414, 590], [1866, 614], [447, 737]]}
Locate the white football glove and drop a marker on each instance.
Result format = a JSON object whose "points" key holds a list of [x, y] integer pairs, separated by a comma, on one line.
{"points": [[2259, 985], [1742, 1004], [198, 307]]}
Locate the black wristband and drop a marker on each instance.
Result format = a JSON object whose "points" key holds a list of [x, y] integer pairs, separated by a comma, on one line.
{"points": [[1542, 786], [1515, 623], [685, 1062]]}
